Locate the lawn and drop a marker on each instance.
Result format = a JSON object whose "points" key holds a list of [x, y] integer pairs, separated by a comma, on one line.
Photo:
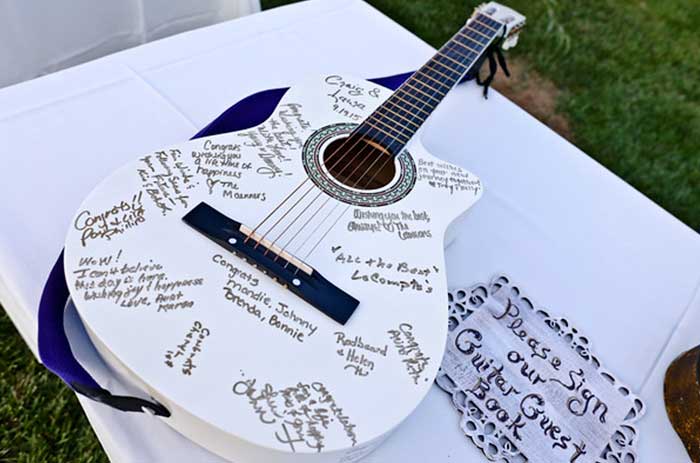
{"points": [[619, 78]]}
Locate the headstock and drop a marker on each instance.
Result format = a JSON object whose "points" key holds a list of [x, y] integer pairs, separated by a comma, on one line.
{"points": [[511, 19]]}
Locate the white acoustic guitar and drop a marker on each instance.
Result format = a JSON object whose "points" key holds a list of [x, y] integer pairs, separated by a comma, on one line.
{"points": [[281, 290]]}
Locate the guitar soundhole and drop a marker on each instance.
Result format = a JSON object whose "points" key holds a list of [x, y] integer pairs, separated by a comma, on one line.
{"points": [[359, 163], [357, 170]]}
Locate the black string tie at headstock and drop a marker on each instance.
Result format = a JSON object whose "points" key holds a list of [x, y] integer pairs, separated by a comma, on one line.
{"points": [[493, 15], [496, 58]]}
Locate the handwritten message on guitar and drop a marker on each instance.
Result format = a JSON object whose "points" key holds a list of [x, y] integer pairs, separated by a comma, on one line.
{"points": [[527, 384]]}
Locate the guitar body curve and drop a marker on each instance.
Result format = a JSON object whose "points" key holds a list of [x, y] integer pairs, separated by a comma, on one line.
{"points": [[248, 369]]}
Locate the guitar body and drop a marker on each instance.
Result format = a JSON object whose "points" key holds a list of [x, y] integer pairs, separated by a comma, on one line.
{"points": [[248, 369]]}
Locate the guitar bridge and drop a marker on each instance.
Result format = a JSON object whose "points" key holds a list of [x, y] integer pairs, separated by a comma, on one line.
{"points": [[291, 272]]}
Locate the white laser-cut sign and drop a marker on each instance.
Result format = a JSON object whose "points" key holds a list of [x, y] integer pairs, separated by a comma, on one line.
{"points": [[528, 386]]}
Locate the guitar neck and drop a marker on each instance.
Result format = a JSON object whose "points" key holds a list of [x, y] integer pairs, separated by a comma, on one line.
{"points": [[394, 122]]}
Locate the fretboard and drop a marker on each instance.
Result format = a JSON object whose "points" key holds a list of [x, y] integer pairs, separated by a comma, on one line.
{"points": [[401, 115]]}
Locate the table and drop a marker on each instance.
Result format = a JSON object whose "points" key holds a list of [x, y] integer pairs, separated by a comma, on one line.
{"points": [[587, 245]]}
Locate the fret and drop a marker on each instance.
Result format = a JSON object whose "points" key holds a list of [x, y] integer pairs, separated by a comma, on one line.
{"points": [[431, 71], [484, 24], [466, 47], [365, 130], [420, 72], [466, 32], [416, 85], [435, 98], [450, 47], [399, 115], [377, 135], [407, 95], [400, 108], [423, 112], [392, 124], [448, 57], [471, 29], [434, 62], [402, 114], [407, 111], [472, 43], [384, 133], [387, 133], [421, 97], [466, 60], [476, 25], [488, 21], [389, 120]]}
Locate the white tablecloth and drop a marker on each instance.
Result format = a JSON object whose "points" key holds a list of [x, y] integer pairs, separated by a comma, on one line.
{"points": [[581, 241]]}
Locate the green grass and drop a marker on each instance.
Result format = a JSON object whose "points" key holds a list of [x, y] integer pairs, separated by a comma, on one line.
{"points": [[629, 78], [628, 75], [40, 419]]}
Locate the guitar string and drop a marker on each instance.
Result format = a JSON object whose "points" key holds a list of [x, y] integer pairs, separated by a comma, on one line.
{"points": [[388, 158], [313, 185], [358, 153], [342, 213], [343, 155], [285, 199], [304, 225], [316, 228], [425, 69], [313, 200], [267, 217], [307, 179], [459, 75]]}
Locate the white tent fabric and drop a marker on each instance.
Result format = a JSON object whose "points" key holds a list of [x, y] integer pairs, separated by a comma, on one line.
{"points": [[42, 36]]}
